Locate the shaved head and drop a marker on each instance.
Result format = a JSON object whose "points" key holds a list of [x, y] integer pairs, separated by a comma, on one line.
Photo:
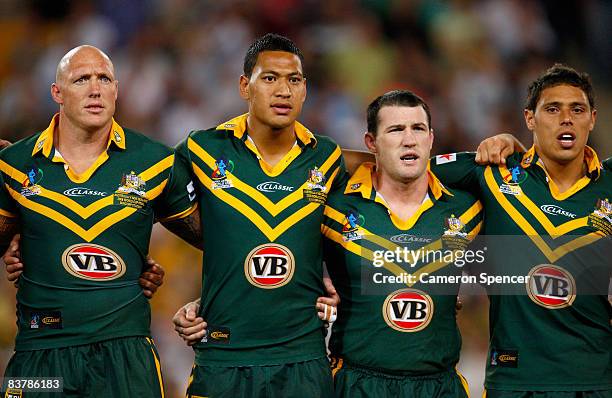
{"points": [[77, 52]]}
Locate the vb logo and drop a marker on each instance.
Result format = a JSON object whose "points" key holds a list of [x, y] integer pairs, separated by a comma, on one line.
{"points": [[269, 266], [408, 310], [551, 286], [93, 262]]}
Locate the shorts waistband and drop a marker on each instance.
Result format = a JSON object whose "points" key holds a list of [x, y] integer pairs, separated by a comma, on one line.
{"points": [[398, 374]]}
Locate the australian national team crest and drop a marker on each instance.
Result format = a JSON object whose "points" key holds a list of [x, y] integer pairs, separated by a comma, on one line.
{"points": [[351, 228], [408, 310], [131, 192], [315, 190], [269, 266], [601, 217], [220, 178], [30, 185], [512, 180], [455, 237]]}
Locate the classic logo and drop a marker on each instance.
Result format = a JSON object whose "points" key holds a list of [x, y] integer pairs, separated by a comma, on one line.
{"points": [[504, 358], [407, 238], [78, 192], [30, 185], [93, 262], [408, 310], [271, 186], [556, 211], [219, 176], [50, 320], [269, 266], [551, 286], [350, 229], [219, 335]]}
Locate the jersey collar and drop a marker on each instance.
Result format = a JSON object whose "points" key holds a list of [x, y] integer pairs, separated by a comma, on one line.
{"points": [[44, 143], [361, 183], [590, 157], [238, 126]]}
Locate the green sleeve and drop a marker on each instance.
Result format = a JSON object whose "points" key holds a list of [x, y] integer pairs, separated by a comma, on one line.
{"points": [[457, 170], [179, 194]]}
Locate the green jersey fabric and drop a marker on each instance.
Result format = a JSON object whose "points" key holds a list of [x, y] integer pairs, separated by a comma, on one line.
{"points": [[84, 238], [262, 265], [607, 164], [409, 327], [552, 333]]}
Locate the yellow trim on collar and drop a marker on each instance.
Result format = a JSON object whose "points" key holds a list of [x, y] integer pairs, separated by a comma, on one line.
{"points": [[590, 157], [238, 126], [361, 182], [44, 142]]}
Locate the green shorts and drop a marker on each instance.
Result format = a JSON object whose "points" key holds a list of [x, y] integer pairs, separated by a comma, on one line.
{"points": [[292, 380], [547, 394], [126, 367], [357, 382]]}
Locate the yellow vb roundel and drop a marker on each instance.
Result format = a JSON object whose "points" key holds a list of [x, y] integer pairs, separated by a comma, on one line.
{"points": [[269, 266], [93, 262], [408, 310], [551, 286]]}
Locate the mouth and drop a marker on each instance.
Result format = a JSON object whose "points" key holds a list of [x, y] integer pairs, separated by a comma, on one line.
{"points": [[566, 140], [94, 108], [409, 158], [281, 109]]}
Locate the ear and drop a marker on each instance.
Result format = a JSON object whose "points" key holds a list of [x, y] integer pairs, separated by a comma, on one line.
{"points": [[116, 89], [529, 119], [305, 91], [243, 86], [431, 139], [593, 118], [370, 141], [56, 94]]}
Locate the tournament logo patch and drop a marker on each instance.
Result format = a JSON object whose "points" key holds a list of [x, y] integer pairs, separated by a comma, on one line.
{"points": [[601, 217], [551, 286], [93, 262], [513, 179], [408, 310], [220, 179], [269, 266], [350, 229], [30, 185], [315, 190], [131, 192]]}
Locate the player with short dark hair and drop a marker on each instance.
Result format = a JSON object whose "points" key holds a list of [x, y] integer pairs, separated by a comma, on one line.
{"points": [[396, 338], [547, 216]]}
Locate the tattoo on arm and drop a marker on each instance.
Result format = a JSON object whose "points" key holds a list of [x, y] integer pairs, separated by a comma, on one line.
{"points": [[188, 228]]}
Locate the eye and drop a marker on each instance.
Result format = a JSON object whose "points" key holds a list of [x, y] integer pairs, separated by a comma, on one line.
{"points": [[269, 78], [80, 80], [105, 79], [551, 109], [578, 109], [295, 79]]}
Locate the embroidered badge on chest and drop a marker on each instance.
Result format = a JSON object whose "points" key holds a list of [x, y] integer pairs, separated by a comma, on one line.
{"points": [[219, 176], [131, 191], [601, 217], [315, 191]]}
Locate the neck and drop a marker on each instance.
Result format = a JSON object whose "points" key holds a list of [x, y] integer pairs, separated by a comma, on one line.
{"points": [[565, 175], [403, 197], [81, 143], [272, 144]]}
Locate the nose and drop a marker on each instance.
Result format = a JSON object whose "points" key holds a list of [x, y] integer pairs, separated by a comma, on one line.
{"points": [[283, 89], [566, 116], [408, 139], [94, 86]]}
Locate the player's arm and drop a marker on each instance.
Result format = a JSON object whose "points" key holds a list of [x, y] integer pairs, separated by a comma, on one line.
{"points": [[607, 164], [327, 306], [187, 228], [353, 158], [12, 260], [151, 278], [495, 150]]}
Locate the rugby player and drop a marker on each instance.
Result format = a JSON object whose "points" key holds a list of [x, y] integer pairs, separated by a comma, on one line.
{"points": [[84, 194], [553, 337]]}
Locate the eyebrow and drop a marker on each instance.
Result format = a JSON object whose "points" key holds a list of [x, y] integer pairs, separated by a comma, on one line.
{"points": [[396, 126], [558, 103], [272, 72]]}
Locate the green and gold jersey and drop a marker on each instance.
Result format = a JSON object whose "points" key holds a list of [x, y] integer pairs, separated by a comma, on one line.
{"points": [[406, 323], [262, 265], [84, 237], [553, 332], [607, 164]]}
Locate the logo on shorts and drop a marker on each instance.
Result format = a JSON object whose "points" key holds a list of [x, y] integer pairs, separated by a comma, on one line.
{"points": [[350, 229], [220, 179], [408, 310], [269, 266], [29, 186], [551, 286], [93, 262], [504, 358]]}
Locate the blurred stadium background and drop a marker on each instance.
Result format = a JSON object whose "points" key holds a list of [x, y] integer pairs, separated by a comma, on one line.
{"points": [[178, 63]]}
